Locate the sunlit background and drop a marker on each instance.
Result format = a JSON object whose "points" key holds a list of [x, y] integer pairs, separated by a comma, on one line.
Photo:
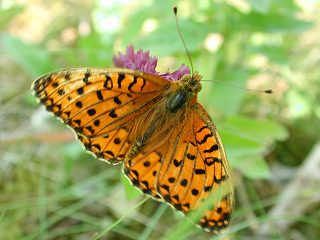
{"points": [[51, 189]]}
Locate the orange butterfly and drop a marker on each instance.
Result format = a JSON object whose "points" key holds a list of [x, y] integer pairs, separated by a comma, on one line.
{"points": [[150, 122]]}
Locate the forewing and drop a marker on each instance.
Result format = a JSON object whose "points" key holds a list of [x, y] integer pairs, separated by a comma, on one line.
{"points": [[101, 105], [186, 169]]}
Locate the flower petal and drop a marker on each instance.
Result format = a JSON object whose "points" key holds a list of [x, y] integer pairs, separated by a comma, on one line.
{"points": [[178, 74], [142, 61]]}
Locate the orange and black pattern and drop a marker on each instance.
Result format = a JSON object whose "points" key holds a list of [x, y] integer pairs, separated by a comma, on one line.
{"points": [[173, 154]]}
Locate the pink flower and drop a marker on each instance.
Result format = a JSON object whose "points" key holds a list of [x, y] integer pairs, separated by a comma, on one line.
{"points": [[143, 62]]}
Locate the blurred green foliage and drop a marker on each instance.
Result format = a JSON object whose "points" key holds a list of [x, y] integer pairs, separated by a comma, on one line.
{"points": [[52, 191]]}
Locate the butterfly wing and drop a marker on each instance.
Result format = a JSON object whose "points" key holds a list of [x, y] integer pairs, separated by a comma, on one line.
{"points": [[186, 169], [218, 172], [101, 105]]}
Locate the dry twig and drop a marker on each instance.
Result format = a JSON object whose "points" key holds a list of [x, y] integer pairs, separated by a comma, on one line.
{"points": [[300, 195]]}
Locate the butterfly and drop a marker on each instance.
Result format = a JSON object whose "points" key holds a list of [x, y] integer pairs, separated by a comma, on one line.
{"points": [[155, 127]]}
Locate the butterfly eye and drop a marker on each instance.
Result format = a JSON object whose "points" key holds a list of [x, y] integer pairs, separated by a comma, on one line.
{"points": [[198, 87]]}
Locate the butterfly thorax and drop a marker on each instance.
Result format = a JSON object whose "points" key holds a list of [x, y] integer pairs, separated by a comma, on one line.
{"points": [[188, 88]]}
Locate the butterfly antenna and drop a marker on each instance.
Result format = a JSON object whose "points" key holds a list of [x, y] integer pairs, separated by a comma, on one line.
{"points": [[175, 11], [268, 91]]}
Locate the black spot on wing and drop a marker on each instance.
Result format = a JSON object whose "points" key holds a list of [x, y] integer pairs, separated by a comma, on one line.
{"points": [[167, 198], [121, 76], [171, 179], [86, 76], [91, 112], [67, 76], [108, 84], [211, 160], [77, 121], [178, 206], [190, 156], [184, 182], [117, 141], [177, 163], [199, 171], [79, 104], [80, 91], [214, 147], [194, 192], [99, 95], [61, 92], [113, 114], [97, 146], [205, 138], [117, 100], [68, 113], [187, 205], [166, 187], [110, 153], [176, 197], [132, 83], [202, 128], [90, 129], [146, 163], [96, 122], [143, 83]]}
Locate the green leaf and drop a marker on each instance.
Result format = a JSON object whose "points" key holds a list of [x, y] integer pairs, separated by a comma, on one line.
{"points": [[36, 61], [131, 191], [264, 131], [6, 15], [245, 155], [237, 145], [253, 166], [245, 143]]}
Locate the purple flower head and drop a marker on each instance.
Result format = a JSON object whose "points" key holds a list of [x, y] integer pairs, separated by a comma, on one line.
{"points": [[176, 75], [142, 61]]}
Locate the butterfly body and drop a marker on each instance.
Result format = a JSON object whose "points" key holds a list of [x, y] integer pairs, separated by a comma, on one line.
{"points": [[170, 110], [166, 141]]}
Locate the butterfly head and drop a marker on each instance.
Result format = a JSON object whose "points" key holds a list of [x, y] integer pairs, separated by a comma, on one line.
{"points": [[191, 83]]}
